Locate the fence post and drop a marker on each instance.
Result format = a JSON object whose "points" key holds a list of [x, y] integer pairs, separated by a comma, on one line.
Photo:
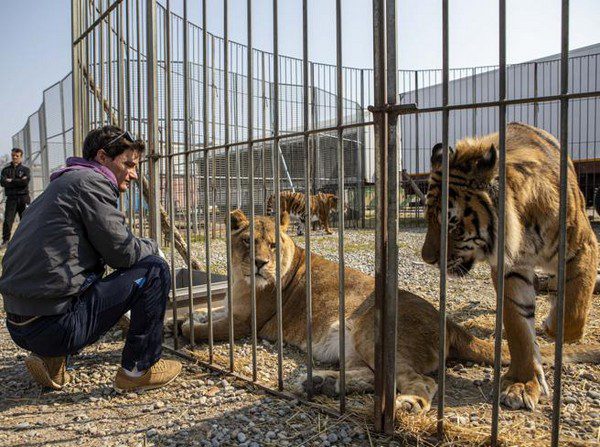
{"points": [[152, 128], [76, 78], [43, 144]]}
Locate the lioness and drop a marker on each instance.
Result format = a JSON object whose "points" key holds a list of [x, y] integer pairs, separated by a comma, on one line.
{"points": [[418, 335]]}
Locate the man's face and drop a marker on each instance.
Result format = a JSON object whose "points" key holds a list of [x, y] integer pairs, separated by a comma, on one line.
{"points": [[124, 166], [17, 157]]}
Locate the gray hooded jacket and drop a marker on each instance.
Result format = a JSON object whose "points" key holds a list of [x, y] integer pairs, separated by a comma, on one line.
{"points": [[65, 239]]}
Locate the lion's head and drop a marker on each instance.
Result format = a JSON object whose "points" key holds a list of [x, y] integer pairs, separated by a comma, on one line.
{"points": [[264, 248]]}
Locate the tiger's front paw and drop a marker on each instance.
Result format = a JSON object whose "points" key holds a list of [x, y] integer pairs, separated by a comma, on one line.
{"points": [[516, 395]]}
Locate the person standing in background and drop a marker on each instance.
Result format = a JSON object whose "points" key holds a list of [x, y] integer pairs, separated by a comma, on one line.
{"points": [[15, 181]]}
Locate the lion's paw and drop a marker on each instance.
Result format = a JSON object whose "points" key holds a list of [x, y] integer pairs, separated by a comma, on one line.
{"points": [[410, 403]]}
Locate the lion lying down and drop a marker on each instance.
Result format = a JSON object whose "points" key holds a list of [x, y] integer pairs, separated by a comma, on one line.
{"points": [[418, 335]]}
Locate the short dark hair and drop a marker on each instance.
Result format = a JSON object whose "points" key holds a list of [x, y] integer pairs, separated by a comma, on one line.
{"points": [[112, 139], [17, 149]]}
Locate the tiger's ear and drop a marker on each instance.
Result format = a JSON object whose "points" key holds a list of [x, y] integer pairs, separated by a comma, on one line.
{"points": [[437, 154], [284, 221], [488, 161], [239, 221]]}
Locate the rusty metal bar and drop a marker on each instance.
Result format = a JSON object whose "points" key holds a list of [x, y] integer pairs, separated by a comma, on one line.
{"points": [[389, 317], [250, 92], [206, 182], [307, 190], [186, 145], [443, 262], [381, 236], [228, 179], [562, 219], [501, 223]]}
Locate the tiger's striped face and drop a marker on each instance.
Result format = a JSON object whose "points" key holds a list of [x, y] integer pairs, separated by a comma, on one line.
{"points": [[471, 213]]}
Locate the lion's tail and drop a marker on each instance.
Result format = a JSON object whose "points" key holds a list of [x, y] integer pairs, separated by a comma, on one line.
{"points": [[465, 346]]}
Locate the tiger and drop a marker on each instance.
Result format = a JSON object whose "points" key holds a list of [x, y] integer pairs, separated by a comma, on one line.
{"points": [[532, 240], [294, 203]]}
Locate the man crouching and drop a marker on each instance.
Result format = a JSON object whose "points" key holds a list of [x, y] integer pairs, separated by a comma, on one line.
{"points": [[55, 296]]}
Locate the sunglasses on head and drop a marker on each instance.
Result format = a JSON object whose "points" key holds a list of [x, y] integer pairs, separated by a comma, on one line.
{"points": [[125, 135]]}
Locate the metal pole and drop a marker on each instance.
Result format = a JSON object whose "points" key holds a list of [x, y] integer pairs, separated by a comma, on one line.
{"points": [[170, 163], [206, 181], [76, 77], [562, 245], [444, 228], [152, 115], [186, 147], [276, 179], [501, 223], [251, 186], [389, 317], [308, 217], [228, 179], [341, 202], [380, 137], [120, 69]]}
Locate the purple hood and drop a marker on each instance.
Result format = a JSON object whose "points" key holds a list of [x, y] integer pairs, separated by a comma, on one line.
{"points": [[75, 163]]}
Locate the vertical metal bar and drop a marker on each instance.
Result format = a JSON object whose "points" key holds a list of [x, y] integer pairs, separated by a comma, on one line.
{"points": [[213, 100], [474, 99], [94, 63], [228, 178], [501, 222], [170, 164], [276, 179], [316, 140], [206, 181], [264, 133], [105, 117], [362, 155], [562, 247], [379, 130], [152, 123], [138, 73], [250, 93], [76, 77], [120, 69], [341, 202], [417, 168], [389, 317], [62, 120], [109, 63], [307, 190], [83, 52], [186, 147], [127, 92], [536, 106], [444, 227]]}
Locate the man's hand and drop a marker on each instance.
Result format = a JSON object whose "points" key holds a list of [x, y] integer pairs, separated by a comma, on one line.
{"points": [[8, 180]]}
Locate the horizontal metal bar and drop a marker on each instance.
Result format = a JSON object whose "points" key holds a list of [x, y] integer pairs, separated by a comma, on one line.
{"points": [[97, 21], [271, 138], [406, 109]]}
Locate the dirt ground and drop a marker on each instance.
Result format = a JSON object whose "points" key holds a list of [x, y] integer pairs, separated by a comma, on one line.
{"points": [[202, 408]]}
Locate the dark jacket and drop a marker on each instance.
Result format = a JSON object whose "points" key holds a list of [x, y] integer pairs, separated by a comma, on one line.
{"points": [[19, 180], [67, 236]]}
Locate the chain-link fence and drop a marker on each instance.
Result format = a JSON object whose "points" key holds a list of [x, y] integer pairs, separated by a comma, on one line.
{"points": [[47, 137]]}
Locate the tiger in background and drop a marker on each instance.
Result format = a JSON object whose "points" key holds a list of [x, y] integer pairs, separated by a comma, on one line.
{"points": [[532, 239], [294, 203]]}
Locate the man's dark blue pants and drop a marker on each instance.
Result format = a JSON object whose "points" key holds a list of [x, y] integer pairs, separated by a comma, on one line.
{"points": [[142, 288]]}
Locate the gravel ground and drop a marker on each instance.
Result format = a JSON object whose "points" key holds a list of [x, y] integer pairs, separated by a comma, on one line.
{"points": [[202, 408]]}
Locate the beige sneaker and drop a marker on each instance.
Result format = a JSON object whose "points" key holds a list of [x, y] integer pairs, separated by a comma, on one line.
{"points": [[50, 372], [160, 374]]}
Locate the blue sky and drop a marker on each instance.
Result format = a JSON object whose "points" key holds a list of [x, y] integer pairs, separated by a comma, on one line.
{"points": [[35, 38]]}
